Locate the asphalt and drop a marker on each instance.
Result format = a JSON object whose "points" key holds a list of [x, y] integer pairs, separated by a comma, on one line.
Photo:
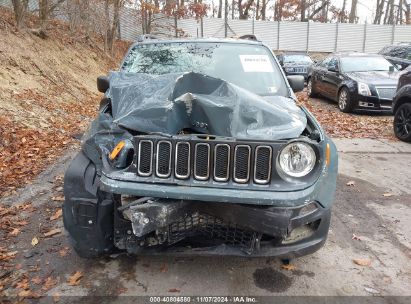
{"points": [[370, 220]]}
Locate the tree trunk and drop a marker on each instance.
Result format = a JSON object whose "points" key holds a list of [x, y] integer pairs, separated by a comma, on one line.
{"points": [[257, 10], [263, 9], [408, 14], [20, 9], [353, 13], [220, 8], [379, 11], [342, 15], [232, 9], [303, 4]]}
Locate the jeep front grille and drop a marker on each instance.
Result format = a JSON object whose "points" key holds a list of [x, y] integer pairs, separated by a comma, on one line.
{"points": [[262, 164], [145, 157], [242, 163], [163, 164], [182, 160], [221, 162], [230, 162]]}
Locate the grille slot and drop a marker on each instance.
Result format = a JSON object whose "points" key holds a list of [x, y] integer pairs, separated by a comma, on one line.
{"points": [[145, 157], [182, 160], [262, 164], [221, 162], [386, 92], [202, 161], [163, 160], [242, 157]]}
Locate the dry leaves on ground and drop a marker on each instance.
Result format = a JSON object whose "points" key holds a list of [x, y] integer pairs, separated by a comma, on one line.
{"points": [[52, 232], [350, 183], [56, 215], [362, 262], [74, 279], [288, 267]]}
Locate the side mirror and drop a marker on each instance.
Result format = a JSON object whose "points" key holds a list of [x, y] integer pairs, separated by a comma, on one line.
{"points": [[103, 84], [296, 82]]}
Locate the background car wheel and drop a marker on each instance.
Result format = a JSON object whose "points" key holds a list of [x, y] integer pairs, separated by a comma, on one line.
{"points": [[310, 89], [344, 101], [402, 122]]}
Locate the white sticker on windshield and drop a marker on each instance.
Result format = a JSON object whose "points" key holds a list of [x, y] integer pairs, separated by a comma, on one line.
{"points": [[256, 63]]}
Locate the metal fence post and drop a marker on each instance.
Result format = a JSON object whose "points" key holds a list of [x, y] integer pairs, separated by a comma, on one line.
{"points": [[278, 35], [252, 26], [202, 27], [308, 35], [336, 37], [393, 34], [226, 18], [365, 37]]}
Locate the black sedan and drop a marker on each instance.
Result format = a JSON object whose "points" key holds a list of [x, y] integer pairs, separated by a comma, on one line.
{"points": [[357, 81], [295, 63], [402, 107]]}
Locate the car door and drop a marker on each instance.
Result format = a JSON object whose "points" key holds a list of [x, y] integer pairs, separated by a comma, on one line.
{"points": [[332, 78], [319, 73]]}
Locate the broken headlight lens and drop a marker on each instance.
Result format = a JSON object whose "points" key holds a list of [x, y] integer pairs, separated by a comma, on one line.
{"points": [[297, 159]]}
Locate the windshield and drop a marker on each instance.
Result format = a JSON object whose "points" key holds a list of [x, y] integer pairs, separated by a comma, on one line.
{"points": [[297, 59], [249, 66], [365, 64]]}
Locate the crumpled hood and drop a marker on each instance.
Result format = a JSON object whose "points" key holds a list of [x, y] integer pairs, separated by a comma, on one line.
{"points": [[169, 103], [376, 77]]}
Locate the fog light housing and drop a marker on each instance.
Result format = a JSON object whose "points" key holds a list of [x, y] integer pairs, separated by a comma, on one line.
{"points": [[308, 209]]}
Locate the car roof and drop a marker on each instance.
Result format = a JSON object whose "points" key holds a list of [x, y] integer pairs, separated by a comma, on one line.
{"points": [[354, 54]]}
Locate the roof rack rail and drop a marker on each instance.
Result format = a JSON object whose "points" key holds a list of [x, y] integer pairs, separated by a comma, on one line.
{"points": [[141, 38], [248, 37]]}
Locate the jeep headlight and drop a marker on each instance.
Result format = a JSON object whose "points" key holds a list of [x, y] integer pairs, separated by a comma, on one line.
{"points": [[364, 89], [297, 159]]}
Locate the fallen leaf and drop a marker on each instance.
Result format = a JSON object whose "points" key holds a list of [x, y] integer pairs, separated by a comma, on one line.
{"points": [[356, 237], [37, 280], [351, 183], [52, 232], [56, 215], [25, 293], [388, 194], [34, 241], [59, 198], [75, 278], [56, 297], [15, 232], [174, 290], [371, 290], [49, 283], [164, 268], [63, 252], [288, 267], [362, 262]]}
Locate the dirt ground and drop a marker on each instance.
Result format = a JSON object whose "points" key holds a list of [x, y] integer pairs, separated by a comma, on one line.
{"points": [[370, 222]]}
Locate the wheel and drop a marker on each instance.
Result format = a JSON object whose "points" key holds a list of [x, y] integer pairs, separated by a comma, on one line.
{"points": [[344, 101], [310, 89], [402, 122]]}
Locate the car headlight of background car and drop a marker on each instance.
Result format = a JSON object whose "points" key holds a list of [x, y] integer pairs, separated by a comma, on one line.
{"points": [[364, 89], [297, 159]]}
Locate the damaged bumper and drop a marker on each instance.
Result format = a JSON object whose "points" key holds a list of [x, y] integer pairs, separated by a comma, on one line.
{"points": [[203, 228]]}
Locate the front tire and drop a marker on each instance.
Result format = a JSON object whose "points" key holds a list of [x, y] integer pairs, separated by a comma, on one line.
{"points": [[310, 88], [344, 101], [402, 122]]}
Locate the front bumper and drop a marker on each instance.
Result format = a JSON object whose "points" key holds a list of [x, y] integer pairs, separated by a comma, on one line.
{"points": [[204, 228], [373, 103]]}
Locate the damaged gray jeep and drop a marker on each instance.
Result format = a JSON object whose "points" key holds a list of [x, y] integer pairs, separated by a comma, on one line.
{"points": [[199, 147]]}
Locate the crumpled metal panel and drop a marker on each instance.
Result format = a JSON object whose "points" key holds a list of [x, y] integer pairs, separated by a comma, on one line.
{"points": [[167, 104]]}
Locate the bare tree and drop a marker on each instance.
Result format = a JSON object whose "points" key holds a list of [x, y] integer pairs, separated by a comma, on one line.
{"points": [[263, 9], [20, 9], [112, 23], [220, 8], [379, 11], [244, 8], [353, 12]]}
